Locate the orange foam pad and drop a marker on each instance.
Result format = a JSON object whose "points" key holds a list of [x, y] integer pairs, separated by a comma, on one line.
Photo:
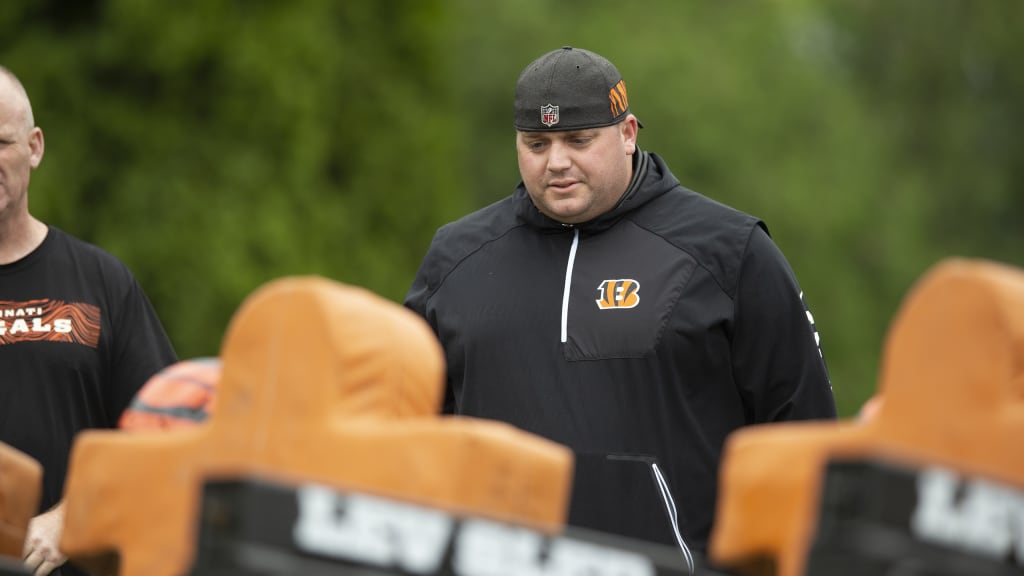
{"points": [[21, 479], [324, 383], [952, 377]]}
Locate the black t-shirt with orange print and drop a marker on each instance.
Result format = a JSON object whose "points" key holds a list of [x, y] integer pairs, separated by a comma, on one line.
{"points": [[78, 338]]}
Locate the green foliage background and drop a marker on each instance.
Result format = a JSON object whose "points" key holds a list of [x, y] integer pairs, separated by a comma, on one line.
{"points": [[215, 145]]}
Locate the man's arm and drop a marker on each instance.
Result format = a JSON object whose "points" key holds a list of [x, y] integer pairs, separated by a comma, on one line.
{"points": [[777, 359], [416, 299]]}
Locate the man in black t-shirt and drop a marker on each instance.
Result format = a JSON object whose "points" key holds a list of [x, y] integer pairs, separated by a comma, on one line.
{"points": [[78, 336]]}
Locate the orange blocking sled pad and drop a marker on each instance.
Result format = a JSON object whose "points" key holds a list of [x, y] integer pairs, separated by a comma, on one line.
{"points": [[21, 479], [322, 383], [952, 380]]}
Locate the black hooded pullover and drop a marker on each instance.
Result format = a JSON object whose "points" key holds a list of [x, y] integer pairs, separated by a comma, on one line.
{"points": [[640, 340]]}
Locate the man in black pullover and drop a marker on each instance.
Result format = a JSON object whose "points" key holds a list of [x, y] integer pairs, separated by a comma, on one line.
{"points": [[607, 307]]}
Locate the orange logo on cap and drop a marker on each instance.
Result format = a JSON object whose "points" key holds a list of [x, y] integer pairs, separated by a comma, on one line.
{"points": [[618, 99]]}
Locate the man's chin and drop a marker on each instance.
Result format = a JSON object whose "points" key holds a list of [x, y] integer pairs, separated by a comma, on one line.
{"points": [[568, 216]]}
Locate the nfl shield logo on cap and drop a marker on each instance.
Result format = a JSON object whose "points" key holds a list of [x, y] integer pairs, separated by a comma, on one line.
{"points": [[549, 115]]}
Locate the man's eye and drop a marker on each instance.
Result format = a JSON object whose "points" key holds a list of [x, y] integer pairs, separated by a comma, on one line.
{"points": [[535, 145]]}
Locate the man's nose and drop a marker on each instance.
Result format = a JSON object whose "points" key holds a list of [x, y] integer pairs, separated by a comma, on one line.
{"points": [[558, 157]]}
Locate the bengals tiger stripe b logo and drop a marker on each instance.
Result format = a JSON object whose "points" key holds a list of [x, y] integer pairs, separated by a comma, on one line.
{"points": [[618, 294]]}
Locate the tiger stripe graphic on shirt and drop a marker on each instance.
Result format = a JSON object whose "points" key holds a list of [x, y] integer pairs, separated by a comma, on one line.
{"points": [[47, 320]]}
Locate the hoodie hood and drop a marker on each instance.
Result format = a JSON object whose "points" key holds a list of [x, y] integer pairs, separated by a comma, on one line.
{"points": [[651, 178]]}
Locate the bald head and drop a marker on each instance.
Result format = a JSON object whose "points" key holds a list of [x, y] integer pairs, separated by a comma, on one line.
{"points": [[21, 151], [13, 94]]}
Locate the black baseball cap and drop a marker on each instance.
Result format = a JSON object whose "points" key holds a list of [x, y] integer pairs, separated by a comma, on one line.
{"points": [[569, 89]]}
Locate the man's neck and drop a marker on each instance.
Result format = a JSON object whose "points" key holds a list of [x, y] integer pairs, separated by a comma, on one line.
{"points": [[19, 237]]}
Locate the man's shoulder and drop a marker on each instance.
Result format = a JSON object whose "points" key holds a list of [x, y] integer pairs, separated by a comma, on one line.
{"points": [[692, 219], [457, 241], [68, 245], [495, 216], [715, 234], [678, 212], [477, 228]]}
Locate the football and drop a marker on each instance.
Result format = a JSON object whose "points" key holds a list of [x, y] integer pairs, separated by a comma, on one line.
{"points": [[179, 396]]}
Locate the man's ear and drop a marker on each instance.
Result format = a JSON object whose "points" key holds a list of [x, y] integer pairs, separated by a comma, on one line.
{"points": [[36, 145], [630, 129]]}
